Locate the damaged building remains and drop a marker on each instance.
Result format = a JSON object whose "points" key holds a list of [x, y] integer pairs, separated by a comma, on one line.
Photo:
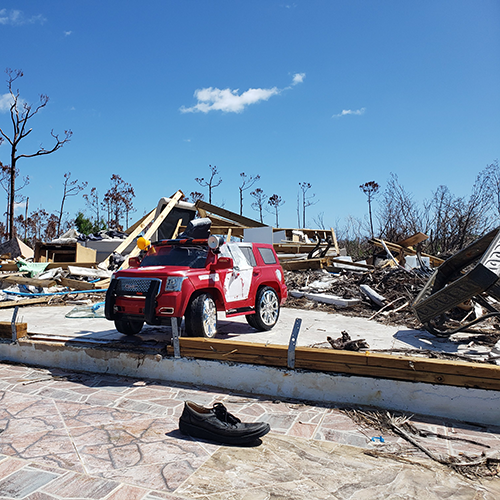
{"points": [[330, 344]]}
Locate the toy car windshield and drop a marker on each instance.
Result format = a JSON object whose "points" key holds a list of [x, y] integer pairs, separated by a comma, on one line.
{"points": [[182, 256]]}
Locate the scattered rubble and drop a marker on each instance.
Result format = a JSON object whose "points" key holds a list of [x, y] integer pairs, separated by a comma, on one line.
{"points": [[346, 343], [318, 274], [486, 463]]}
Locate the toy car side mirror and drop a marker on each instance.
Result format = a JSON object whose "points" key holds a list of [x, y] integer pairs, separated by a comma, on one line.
{"points": [[134, 262], [223, 263]]}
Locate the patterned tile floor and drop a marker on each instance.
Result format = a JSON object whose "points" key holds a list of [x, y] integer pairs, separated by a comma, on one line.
{"points": [[68, 435]]}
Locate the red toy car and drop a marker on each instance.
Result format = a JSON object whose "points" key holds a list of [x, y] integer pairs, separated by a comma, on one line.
{"points": [[195, 278]]}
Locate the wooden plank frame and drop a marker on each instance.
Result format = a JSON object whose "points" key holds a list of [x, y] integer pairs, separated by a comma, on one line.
{"points": [[203, 207], [156, 224], [137, 229], [406, 368]]}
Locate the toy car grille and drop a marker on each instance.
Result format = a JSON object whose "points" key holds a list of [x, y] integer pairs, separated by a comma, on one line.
{"points": [[133, 285]]}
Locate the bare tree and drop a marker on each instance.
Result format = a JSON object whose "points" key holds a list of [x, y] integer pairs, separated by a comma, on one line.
{"points": [[307, 200], [370, 189], [399, 214], [259, 203], [454, 222], [40, 225], [5, 173], [118, 201], [214, 181], [195, 196], [70, 188], [94, 205], [247, 181], [319, 220], [21, 112], [275, 202], [493, 178]]}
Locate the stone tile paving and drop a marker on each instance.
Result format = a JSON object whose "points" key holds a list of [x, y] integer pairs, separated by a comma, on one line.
{"points": [[68, 435]]}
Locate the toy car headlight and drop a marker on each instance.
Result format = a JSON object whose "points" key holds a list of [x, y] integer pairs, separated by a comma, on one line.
{"points": [[174, 283]]}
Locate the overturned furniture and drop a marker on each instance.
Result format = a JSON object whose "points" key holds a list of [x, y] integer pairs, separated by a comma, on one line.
{"points": [[450, 286]]}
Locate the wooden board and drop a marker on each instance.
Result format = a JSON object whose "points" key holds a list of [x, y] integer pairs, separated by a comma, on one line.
{"points": [[137, 228], [21, 280], [132, 228], [77, 284], [393, 247], [155, 225], [24, 302], [6, 330], [297, 265], [222, 212], [412, 240], [407, 368]]}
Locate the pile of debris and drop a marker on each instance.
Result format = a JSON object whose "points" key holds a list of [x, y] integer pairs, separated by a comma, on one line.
{"points": [[384, 294]]}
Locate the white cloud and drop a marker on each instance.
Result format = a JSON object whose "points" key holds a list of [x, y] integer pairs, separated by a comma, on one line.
{"points": [[350, 112], [230, 101], [227, 100], [5, 102], [19, 208], [17, 18], [298, 78], [67, 33]]}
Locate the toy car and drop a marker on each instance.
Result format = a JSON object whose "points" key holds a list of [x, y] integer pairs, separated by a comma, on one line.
{"points": [[195, 278]]}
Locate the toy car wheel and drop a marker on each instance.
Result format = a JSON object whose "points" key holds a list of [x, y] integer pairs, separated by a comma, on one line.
{"points": [[251, 321], [128, 326], [267, 309], [201, 319]]}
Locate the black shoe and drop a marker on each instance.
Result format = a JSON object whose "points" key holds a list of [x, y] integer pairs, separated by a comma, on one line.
{"points": [[218, 425]]}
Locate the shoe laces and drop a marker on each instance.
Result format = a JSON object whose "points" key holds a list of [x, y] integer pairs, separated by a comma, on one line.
{"points": [[222, 414]]}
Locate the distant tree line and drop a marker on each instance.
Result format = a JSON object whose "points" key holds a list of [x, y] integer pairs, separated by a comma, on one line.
{"points": [[451, 222]]}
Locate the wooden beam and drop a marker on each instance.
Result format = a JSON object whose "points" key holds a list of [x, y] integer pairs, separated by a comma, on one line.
{"points": [[218, 221], [6, 330], [222, 212], [176, 232], [407, 368], [139, 222], [435, 261], [412, 240], [21, 280], [133, 233], [368, 267], [24, 302], [156, 224], [302, 264], [334, 239], [77, 284]]}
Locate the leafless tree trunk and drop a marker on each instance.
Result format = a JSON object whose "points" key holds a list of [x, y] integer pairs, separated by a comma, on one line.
{"points": [[370, 189], [70, 188], [212, 183], [258, 204], [275, 202], [21, 112], [306, 199], [247, 181]]}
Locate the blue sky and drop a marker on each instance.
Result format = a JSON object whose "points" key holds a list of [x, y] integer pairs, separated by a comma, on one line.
{"points": [[334, 93]]}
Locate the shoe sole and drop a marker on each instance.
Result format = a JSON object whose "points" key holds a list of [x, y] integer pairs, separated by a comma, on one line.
{"points": [[193, 431]]}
